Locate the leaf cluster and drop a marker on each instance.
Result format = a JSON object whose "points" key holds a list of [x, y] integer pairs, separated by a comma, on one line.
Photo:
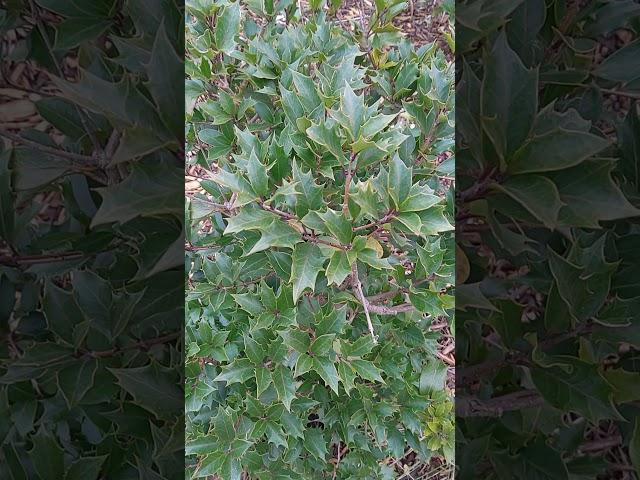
{"points": [[546, 214]]}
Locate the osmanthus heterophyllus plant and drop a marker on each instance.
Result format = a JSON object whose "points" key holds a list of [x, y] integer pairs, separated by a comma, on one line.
{"points": [[546, 217], [91, 163], [318, 252]]}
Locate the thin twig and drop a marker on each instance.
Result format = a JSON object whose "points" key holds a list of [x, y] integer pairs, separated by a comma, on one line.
{"points": [[335, 467], [363, 299], [600, 444], [281, 213], [396, 309], [389, 216], [611, 91], [314, 239], [495, 407], [85, 160], [39, 259], [347, 185], [141, 344], [112, 145]]}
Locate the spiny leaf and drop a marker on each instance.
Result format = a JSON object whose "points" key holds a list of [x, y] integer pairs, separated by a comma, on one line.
{"points": [[307, 262]]}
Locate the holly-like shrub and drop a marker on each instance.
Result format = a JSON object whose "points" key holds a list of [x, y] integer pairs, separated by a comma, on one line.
{"points": [[319, 243]]}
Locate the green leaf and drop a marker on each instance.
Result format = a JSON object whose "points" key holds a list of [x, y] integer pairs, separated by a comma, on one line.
{"points": [[581, 390], [304, 364], [73, 32], [291, 105], [338, 268], [432, 377], [239, 371], [94, 296], [61, 311], [238, 448], [338, 226], [620, 65], [315, 443], [296, 339], [367, 370], [399, 184], [583, 291], [420, 198], [220, 145], [509, 97], [353, 108], [151, 388], [328, 138], [307, 262], [263, 380], [555, 150], [411, 221], [165, 71], [74, 382], [308, 94], [293, 425], [86, 468], [590, 195], [227, 28], [285, 386], [249, 302], [254, 351], [625, 385], [528, 190], [223, 426], [327, 371], [276, 234], [257, 174], [310, 197], [376, 124], [360, 347], [322, 344], [347, 376], [47, 455], [250, 219], [146, 192]]}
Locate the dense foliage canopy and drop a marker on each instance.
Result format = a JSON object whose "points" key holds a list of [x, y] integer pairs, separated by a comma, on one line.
{"points": [[320, 245], [90, 240], [547, 224]]}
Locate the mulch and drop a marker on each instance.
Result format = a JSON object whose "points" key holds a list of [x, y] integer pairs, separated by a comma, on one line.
{"points": [[417, 22]]}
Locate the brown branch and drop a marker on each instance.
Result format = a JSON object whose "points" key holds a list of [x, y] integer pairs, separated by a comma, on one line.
{"points": [[389, 216], [141, 344], [314, 239], [363, 299], [283, 214], [381, 297], [17, 261], [478, 189], [495, 407], [335, 467], [600, 444], [470, 374], [194, 248], [396, 309], [347, 185], [81, 161]]}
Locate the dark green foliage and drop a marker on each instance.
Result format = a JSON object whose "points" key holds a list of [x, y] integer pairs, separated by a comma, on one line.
{"points": [[322, 204], [90, 241], [547, 213]]}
